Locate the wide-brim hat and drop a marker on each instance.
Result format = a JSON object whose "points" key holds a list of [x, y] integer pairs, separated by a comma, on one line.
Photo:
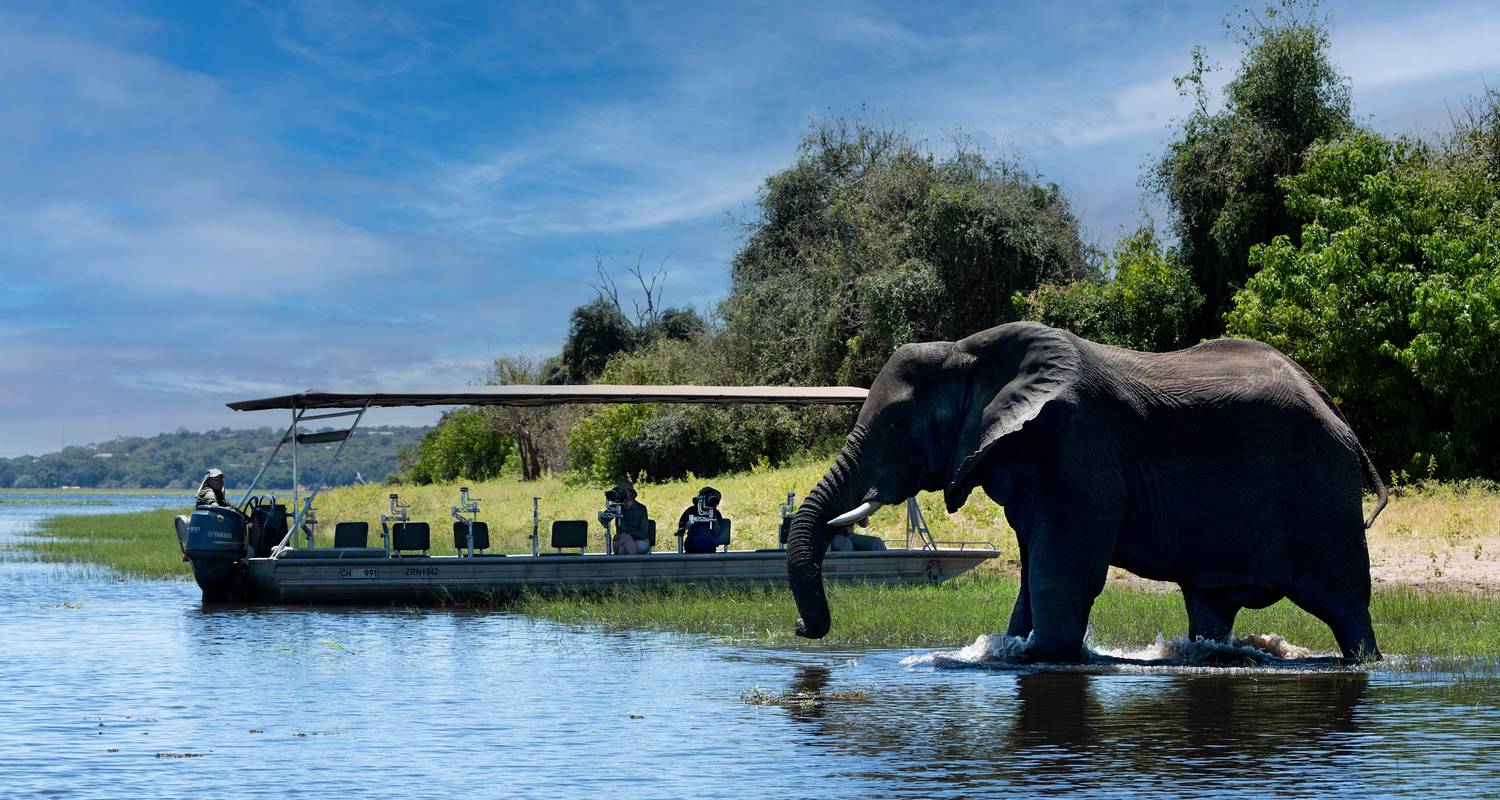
{"points": [[624, 486]]}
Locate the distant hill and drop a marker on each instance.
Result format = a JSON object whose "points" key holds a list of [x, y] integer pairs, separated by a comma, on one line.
{"points": [[178, 460]]}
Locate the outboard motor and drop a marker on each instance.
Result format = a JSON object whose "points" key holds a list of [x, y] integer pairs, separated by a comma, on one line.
{"points": [[215, 545]]}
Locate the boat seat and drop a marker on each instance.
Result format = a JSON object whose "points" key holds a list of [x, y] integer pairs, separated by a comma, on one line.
{"points": [[351, 534], [461, 537], [570, 533], [409, 536], [332, 552]]}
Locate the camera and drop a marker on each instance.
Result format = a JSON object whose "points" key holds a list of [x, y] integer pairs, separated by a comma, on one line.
{"points": [[705, 505], [613, 504]]}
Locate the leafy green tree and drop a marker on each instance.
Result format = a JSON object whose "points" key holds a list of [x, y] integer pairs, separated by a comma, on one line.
{"points": [[465, 443], [596, 331], [1220, 174], [661, 442], [869, 241], [1391, 297], [1149, 303]]}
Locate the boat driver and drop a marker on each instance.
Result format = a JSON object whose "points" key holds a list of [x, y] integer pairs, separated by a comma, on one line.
{"points": [[631, 534], [211, 490]]}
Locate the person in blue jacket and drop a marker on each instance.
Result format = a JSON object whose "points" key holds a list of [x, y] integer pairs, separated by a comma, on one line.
{"points": [[699, 523]]}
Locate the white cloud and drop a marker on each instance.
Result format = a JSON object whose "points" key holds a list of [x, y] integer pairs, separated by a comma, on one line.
{"points": [[1463, 41]]}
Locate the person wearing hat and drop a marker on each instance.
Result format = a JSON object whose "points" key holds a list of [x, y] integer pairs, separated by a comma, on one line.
{"points": [[631, 535], [699, 523], [211, 490]]}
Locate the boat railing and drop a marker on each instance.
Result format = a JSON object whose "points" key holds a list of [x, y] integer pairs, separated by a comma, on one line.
{"points": [[966, 544]]}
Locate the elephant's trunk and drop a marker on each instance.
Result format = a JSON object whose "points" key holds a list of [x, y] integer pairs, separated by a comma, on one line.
{"points": [[807, 541]]}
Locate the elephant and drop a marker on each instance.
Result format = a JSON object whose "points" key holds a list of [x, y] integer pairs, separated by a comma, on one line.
{"points": [[1224, 468]]}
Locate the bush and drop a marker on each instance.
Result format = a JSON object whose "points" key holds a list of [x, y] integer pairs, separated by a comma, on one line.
{"points": [[464, 444], [664, 442], [1149, 304], [1391, 299]]}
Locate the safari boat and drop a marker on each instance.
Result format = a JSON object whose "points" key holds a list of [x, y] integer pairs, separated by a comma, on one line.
{"points": [[259, 551]]}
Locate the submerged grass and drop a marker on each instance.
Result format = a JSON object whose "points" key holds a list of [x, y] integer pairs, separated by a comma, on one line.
{"points": [[140, 544]]}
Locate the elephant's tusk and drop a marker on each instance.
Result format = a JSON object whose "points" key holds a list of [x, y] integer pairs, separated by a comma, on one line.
{"points": [[855, 516]]}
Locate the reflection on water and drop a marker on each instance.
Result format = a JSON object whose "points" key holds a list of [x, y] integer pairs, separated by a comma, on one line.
{"points": [[131, 688]]}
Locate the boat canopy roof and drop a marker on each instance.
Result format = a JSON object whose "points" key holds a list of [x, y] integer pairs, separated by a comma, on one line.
{"points": [[524, 395]]}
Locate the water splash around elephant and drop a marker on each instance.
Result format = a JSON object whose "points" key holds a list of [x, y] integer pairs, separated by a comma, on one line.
{"points": [[1001, 652]]}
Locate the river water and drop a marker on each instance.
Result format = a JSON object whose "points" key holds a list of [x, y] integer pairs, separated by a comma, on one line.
{"points": [[122, 689]]}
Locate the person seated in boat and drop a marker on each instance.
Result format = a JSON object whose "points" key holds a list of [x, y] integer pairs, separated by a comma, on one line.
{"points": [[632, 536], [699, 523], [845, 540], [211, 490]]}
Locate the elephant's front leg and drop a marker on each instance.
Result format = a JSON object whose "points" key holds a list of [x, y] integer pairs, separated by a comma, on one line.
{"points": [[1067, 563], [1020, 616]]}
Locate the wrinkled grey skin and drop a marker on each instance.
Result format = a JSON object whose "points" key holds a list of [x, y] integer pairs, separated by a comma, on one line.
{"points": [[1224, 468]]}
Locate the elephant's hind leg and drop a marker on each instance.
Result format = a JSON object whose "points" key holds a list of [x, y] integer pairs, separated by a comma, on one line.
{"points": [[1211, 613], [1347, 614]]}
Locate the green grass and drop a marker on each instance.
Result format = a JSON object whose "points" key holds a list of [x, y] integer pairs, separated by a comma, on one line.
{"points": [[141, 544], [1407, 621]]}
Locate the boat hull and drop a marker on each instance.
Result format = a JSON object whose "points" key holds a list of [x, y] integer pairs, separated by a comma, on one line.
{"points": [[336, 580]]}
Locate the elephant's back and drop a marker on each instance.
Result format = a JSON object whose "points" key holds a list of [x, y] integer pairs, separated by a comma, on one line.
{"points": [[1235, 381], [1218, 371]]}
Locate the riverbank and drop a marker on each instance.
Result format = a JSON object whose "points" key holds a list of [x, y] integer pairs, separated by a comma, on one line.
{"points": [[1434, 558]]}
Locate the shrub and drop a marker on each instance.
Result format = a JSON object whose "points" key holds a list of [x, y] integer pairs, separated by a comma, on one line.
{"points": [[1391, 298], [1149, 304]]}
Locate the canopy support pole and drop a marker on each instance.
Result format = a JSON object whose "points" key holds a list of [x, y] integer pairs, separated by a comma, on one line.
{"points": [[263, 467], [296, 417], [305, 509]]}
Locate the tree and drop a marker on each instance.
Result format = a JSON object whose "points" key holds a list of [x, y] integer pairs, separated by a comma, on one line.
{"points": [[596, 331], [540, 434], [600, 328], [870, 241], [1391, 298], [1220, 174], [465, 443]]}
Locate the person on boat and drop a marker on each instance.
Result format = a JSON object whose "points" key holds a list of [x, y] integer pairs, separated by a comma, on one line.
{"points": [[211, 489], [699, 522], [632, 536], [846, 541]]}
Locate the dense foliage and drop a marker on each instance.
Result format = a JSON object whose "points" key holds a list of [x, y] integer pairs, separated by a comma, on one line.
{"points": [[466, 443], [869, 242], [660, 442], [1220, 173], [1149, 303], [1391, 298], [179, 460]]}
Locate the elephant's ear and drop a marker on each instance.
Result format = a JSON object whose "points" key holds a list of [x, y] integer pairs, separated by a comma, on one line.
{"points": [[1015, 370]]}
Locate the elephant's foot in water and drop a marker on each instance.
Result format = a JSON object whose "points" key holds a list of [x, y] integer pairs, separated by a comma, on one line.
{"points": [[1210, 613]]}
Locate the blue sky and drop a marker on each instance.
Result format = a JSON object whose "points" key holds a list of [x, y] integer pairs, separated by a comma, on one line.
{"points": [[202, 202]]}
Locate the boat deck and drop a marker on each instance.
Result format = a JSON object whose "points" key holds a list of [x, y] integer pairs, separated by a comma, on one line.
{"points": [[358, 579]]}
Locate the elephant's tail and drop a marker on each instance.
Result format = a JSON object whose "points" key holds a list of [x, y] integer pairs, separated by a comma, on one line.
{"points": [[1364, 458], [1379, 486]]}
